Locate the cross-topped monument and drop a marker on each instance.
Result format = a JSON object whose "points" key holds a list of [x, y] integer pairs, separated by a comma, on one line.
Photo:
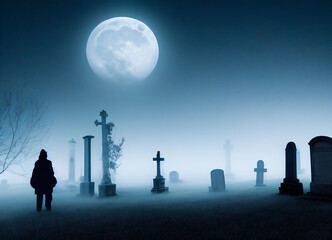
{"points": [[159, 181], [260, 170], [158, 159], [106, 188]]}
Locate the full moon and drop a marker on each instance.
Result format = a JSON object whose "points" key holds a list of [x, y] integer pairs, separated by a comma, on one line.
{"points": [[122, 49]]}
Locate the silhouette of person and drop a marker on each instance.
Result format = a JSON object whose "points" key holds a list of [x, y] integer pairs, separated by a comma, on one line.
{"points": [[43, 180]]}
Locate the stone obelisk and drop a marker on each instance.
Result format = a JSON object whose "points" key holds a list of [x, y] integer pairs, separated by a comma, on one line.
{"points": [[291, 185]]}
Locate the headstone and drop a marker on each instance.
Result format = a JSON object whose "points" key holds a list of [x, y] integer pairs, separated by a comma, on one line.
{"points": [[106, 187], [174, 177], [291, 185], [71, 161], [217, 181], [159, 181], [321, 166], [228, 169], [87, 188], [260, 170]]}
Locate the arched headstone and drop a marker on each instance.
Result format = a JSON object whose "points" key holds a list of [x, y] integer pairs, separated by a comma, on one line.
{"points": [[321, 165], [217, 181], [174, 177]]}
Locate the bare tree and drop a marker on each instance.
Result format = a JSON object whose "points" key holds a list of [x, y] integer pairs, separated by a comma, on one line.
{"points": [[20, 128], [114, 150]]}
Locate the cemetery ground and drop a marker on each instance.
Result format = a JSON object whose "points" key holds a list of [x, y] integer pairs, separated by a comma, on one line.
{"points": [[188, 211]]}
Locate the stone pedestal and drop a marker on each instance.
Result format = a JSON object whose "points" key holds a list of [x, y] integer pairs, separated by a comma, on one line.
{"points": [[107, 190], [159, 185], [87, 189], [291, 187]]}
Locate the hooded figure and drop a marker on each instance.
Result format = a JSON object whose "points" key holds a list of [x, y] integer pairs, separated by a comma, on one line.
{"points": [[43, 180]]}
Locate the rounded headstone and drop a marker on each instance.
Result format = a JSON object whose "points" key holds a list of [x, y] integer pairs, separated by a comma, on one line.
{"points": [[174, 176]]}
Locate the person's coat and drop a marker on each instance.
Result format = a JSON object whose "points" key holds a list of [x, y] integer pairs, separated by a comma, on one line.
{"points": [[43, 179]]}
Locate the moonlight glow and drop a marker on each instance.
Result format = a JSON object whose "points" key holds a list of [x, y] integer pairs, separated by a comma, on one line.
{"points": [[122, 49]]}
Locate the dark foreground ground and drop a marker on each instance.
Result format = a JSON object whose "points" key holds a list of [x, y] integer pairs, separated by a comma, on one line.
{"points": [[186, 212]]}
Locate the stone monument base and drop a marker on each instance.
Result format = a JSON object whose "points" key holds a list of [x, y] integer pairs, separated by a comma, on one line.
{"points": [[107, 190], [260, 185], [159, 185], [320, 189], [291, 187], [214, 189], [87, 189]]}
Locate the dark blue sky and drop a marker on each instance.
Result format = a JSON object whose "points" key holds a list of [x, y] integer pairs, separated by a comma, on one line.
{"points": [[256, 72]]}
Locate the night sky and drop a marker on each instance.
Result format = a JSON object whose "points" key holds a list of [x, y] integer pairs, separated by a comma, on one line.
{"points": [[256, 72]]}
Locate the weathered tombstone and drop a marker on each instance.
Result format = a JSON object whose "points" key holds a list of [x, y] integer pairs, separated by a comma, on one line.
{"points": [[321, 166], [71, 161], [228, 170], [158, 181], [217, 181], [87, 188], [291, 185], [174, 177], [106, 187], [260, 170]]}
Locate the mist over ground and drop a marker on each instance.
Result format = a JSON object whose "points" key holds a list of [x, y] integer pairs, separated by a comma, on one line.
{"points": [[188, 211]]}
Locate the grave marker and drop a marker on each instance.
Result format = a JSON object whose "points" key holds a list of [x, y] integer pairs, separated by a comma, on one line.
{"points": [[217, 181], [321, 166], [260, 170]]}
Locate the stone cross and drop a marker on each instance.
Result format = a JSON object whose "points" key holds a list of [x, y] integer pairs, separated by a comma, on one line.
{"points": [[105, 128], [228, 147], [72, 160], [260, 170], [291, 185], [159, 181], [158, 159], [217, 181]]}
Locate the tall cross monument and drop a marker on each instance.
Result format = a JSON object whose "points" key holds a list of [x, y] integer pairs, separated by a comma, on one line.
{"points": [[106, 188], [159, 181]]}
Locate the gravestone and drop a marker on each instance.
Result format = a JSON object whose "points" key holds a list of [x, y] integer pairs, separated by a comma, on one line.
{"points": [[321, 166], [87, 188], [159, 181], [106, 187], [260, 170], [291, 185], [217, 181], [174, 177]]}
